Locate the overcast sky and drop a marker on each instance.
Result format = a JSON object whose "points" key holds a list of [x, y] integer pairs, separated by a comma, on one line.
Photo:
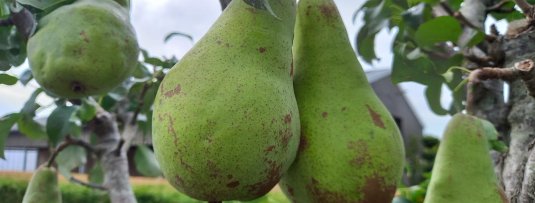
{"points": [[154, 19]]}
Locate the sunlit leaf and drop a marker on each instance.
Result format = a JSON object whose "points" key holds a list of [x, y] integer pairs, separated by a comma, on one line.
{"points": [[434, 31]]}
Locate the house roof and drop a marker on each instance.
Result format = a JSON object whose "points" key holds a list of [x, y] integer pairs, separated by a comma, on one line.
{"points": [[377, 74]]}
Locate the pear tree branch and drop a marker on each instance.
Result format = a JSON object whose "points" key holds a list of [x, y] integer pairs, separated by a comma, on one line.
{"points": [[68, 142], [87, 184], [526, 8], [521, 70]]}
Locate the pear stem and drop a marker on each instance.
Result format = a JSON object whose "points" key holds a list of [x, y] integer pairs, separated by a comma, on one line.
{"points": [[521, 70]]}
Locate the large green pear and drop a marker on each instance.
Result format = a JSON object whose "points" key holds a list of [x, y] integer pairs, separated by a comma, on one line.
{"points": [[350, 149], [84, 48], [463, 171], [225, 121], [43, 187]]}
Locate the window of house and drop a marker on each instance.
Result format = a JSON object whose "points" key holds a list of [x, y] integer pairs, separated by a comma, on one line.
{"points": [[19, 160]]}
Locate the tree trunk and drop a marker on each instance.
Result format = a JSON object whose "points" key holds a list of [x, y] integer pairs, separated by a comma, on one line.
{"points": [[112, 156], [518, 172], [516, 119]]}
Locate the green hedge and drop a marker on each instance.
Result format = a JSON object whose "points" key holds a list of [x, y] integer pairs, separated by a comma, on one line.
{"points": [[12, 190]]}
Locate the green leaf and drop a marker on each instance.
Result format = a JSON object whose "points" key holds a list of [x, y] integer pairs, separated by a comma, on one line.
{"points": [[476, 38], [416, 15], [433, 95], [70, 158], [366, 46], [377, 15], [6, 79], [150, 95], [57, 125], [26, 77], [119, 92], [31, 128], [155, 61], [42, 4], [175, 34], [6, 123], [146, 163], [498, 145], [420, 69], [96, 174], [488, 129], [440, 29], [87, 110], [141, 72], [30, 106]]}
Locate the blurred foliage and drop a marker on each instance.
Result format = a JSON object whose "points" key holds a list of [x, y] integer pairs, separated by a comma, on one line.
{"points": [[12, 190]]}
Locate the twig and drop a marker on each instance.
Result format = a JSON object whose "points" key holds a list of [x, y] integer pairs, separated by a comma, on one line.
{"points": [[87, 184], [6, 22], [459, 16], [119, 147], [68, 142], [526, 8], [141, 102], [523, 70], [498, 7]]}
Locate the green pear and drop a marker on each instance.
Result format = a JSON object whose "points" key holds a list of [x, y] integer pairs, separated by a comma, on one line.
{"points": [[350, 149], [43, 187], [84, 48], [463, 171], [226, 123]]}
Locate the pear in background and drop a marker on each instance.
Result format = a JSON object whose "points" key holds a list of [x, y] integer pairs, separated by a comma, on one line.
{"points": [[84, 48], [43, 187], [463, 171]]}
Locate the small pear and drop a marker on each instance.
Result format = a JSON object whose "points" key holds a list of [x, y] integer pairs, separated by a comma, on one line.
{"points": [[43, 187], [84, 48], [463, 171], [351, 149], [226, 124]]}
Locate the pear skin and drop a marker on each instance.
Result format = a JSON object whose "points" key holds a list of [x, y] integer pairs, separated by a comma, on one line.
{"points": [[351, 149], [84, 48], [463, 171], [226, 123], [43, 187]]}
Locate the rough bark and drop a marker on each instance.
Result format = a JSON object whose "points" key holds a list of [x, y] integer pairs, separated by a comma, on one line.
{"points": [[112, 153], [518, 173]]}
